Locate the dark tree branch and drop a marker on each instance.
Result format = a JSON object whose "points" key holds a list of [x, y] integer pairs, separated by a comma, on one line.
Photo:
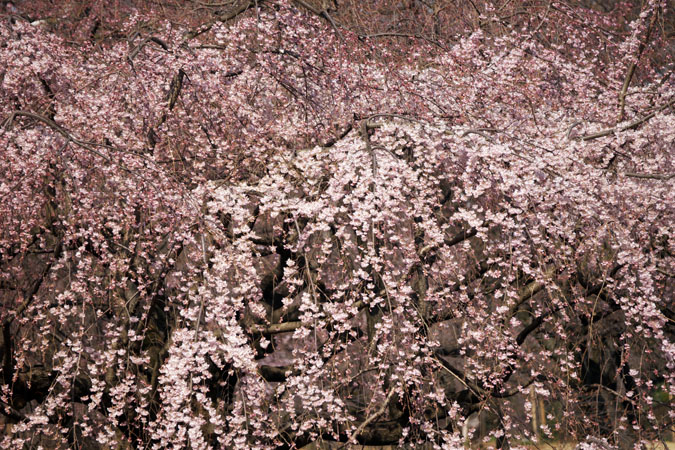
{"points": [[634, 124]]}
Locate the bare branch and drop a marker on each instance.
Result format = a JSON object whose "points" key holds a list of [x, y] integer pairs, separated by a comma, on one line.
{"points": [[460, 237], [634, 124], [323, 14], [479, 132], [53, 125], [226, 16], [652, 176], [571, 127], [403, 35], [141, 46], [276, 328], [633, 66], [10, 412], [374, 416], [285, 327]]}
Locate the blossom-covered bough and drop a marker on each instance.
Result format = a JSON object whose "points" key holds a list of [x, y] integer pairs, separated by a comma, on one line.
{"points": [[270, 225]]}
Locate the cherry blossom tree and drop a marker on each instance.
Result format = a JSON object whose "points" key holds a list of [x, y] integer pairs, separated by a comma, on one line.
{"points": [[260, 224]]}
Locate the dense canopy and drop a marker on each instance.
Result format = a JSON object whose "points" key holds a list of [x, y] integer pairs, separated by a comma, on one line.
{"points": [[260, 224]]}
